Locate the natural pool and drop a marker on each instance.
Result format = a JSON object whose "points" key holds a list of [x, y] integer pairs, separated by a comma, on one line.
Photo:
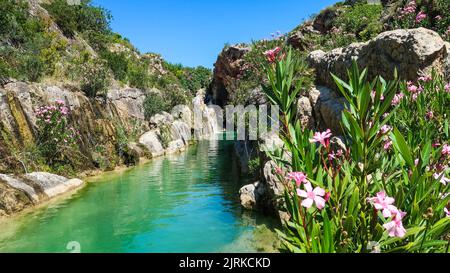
{"points": [[182, 203]]}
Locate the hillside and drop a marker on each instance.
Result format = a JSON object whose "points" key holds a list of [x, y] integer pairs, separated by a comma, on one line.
{"points": [[54, 42], [75, 96], [238, 71]]}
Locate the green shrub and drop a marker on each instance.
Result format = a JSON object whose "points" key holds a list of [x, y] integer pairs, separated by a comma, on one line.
{"points": [[94, 78], [118, 63], [153, 104], [254, 166], [78, 18], [56, 140], [165, 135], [192, 79], [31, 67], [138, 75], [363, 20]]}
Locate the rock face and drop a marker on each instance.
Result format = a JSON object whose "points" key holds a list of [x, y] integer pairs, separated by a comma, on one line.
{"points": [[413, 52], [227, 68], [18, 192], [97, 120], [172, 133]]}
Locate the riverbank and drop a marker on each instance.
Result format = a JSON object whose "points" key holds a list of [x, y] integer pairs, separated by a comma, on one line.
{"points": [[153, 207], [112, 134]]}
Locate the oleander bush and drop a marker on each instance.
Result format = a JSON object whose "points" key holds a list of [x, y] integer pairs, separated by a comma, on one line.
{"points": [[430, 14], [56, 139], [94, 78], [387, 189]]}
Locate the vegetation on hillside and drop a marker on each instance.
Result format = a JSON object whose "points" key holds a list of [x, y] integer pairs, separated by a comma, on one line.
{"points": [[82, 46]]}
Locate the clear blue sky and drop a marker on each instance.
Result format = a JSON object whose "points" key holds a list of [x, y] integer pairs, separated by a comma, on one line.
{"points": [[193, 32]]}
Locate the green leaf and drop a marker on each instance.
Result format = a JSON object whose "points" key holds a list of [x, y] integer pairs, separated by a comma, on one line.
{"points": [[400, 143], [327, 234]]}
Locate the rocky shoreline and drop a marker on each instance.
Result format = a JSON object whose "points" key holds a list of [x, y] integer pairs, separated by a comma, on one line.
{"points": [[165, 133]]}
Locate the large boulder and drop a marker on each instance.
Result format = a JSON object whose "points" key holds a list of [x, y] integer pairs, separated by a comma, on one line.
{"points": [[327, 108], [252, 195], [51, 184], [18, 192], [152, 142], [412, 52]]}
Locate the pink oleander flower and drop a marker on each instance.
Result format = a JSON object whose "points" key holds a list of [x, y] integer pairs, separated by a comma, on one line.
{"points": [[385, 129], [447, 213], [312, 196], [412, 88], [383, 203], [298, 177], [60, 102], [271, 54], [425, 78], [327, 196], [438, 17], [397, 99], [322, 138], [373, 94], [387, 145], [441, 178], [447, 88], [278, 170], [64, 110], [420, 16], [395, 226], [430, 115], [445, 149], [331, 155], [416, 162]]}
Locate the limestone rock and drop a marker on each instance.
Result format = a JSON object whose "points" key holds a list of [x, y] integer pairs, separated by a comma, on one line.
{"points": [[252, 195], [52, 184], [175, 146], [151, 141], [328, 109], [305, 112], [12, 200], [275, 187], [20, 185], [18, 192]]}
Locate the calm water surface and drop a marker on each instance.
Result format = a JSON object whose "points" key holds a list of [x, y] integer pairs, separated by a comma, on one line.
{"points": [[182, 203]]}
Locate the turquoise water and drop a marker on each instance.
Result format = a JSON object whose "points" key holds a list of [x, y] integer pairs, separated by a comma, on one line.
{"points": [[182, 203]]}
